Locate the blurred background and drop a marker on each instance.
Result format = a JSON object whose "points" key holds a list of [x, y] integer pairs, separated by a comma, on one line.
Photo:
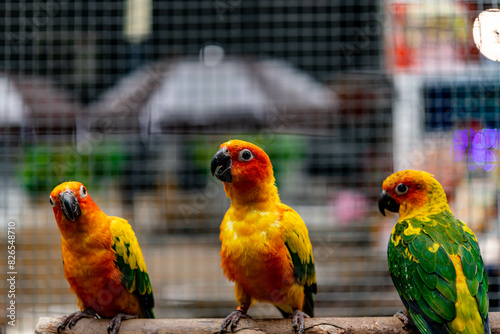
{"points": [[133, 98]]}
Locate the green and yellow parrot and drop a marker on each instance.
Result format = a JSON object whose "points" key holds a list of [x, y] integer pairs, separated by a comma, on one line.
{"points": [[434, 258]]}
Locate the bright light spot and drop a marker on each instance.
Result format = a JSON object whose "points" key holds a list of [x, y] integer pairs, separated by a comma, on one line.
{"points": [[211, 55], [486, 32]]}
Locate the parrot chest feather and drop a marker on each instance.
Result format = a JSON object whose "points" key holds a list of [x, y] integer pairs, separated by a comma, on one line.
{"points": [[94, 277], [254, 255]]}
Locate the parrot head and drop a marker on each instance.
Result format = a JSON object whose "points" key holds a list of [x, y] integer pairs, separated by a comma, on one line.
{"points": [[411, 193], [71, 202], [242, 166]]}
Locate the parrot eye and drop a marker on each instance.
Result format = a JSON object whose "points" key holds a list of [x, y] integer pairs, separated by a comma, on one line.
{"points": [[246, 155], [401, 189], [83, 191], [52, 202]]}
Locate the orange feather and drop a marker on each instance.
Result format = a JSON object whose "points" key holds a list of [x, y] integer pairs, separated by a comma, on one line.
{"points": [[89, 259]]}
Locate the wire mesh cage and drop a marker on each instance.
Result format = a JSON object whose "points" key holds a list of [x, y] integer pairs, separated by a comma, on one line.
{"points": [[134, 97]]}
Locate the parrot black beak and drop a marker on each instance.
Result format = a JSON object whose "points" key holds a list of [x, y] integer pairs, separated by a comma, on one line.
{"points": [[221, 165], [69, 205], [385, 201]]}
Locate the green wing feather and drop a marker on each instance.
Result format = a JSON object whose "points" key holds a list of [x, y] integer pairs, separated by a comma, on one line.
{"points": [[299, 247], [131, 263], [423, 272]]}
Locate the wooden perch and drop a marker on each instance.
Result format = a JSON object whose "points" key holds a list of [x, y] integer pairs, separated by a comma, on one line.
{"points": [[370, 325]]}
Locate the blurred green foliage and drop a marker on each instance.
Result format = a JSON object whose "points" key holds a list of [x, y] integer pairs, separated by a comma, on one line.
{"points": [[44, 166]]}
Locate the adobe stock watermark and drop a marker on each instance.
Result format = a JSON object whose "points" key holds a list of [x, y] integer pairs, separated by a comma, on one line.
{"points": [[418, 153], [222, 7], [325, 247], [363, 35], [127, 104], [11, 273], [276, 122], [30, 26], [479, 149]]}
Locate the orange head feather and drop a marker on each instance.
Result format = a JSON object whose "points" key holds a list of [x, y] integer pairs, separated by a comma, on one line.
{"points": [[73, 208], [246, 171], [412, 193]]}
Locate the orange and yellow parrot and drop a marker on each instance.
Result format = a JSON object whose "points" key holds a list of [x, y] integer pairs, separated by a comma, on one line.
{"points": [[434, 258], [265, 247], [102, 260]]}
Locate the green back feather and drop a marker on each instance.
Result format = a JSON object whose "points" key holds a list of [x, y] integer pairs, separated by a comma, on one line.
{"points": [[305, 274], [296, 240], [423, 272]]}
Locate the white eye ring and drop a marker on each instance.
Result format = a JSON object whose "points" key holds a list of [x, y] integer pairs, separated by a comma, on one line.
{"points": [[246, 155], [52, 202], [401, 189], [83, 192]]}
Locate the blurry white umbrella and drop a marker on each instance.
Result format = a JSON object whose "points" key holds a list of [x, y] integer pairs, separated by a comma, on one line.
{"points": [[197, 95], [12, 107], [193, 93]]}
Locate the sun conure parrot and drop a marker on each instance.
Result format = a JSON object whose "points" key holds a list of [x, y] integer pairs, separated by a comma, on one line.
{"points": [[265, 247], [434, 258], [102, 260]]}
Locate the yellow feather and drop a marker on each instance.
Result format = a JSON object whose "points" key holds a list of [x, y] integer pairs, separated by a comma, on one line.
{"points": [[120, 229], [468, 318], [410, 230], [396, 239], [468, 230], [434, 248]]}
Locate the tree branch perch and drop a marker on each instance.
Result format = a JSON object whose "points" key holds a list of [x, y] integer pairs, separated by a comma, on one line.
{"points": [[367, 325]]}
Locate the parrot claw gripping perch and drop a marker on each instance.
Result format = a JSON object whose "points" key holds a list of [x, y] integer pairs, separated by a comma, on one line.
{"points": [[232, 319], [116, 322], [71, 319], [405, 319], [298, 321]]}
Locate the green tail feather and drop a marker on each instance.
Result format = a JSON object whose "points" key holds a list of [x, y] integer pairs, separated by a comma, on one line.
{"points": [[308, 307]]}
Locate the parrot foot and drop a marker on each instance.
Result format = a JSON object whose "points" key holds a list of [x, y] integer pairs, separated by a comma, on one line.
{"points": [[71, 319], [116, 322], [298, 321], [405, 319], [232, 320]]}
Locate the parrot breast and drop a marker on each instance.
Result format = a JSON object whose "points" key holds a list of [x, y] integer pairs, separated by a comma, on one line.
{"points": [[254, 255], [91, 271]]}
